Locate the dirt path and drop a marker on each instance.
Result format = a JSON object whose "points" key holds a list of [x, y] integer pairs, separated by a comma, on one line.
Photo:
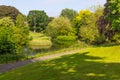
{"points": [[7, 67]]}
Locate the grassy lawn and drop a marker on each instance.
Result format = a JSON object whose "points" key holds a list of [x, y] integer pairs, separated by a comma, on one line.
{"points": [[101, 63]]}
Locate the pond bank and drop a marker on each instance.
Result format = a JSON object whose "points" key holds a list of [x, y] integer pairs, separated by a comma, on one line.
{"points": [[8, 67]]}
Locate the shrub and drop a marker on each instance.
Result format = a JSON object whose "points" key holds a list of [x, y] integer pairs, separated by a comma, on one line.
{"points": [[6, 58], [116, 38]]}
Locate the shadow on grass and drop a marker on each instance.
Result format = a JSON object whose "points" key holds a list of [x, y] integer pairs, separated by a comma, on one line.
{"points": [[79, 66]]}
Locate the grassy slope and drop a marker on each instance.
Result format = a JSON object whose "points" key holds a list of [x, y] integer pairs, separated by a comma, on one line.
{"points": [[39, 39], [102, 63]]}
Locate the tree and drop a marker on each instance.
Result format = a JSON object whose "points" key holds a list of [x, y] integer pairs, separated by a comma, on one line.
{"points": [[6, 22], [80, 20], [7, 44], [60, 28], [7, 41], [21, 22], [12, 38], [8, 11], [50, 19], [37, 20], [68, 13], [109, 23], [113, 15], [85, 24]]}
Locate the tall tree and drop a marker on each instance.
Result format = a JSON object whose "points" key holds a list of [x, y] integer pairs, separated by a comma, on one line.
{"points": [[85, 24], [37, 20], [109, 23], [9, 11], [80, 19], [21, 23], [68, 13]]}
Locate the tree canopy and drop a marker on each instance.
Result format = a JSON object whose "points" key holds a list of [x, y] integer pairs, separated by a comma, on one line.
{"points": [[37, 20], [61, 31], [59, 26], [68, 13], [9, 11], [109, 22], [85, 24], [12, 38]]}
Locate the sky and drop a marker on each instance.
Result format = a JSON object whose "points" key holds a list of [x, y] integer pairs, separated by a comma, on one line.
{"points": [[51, 7]]}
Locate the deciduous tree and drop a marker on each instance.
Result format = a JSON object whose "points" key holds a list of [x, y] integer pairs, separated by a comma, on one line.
{"points": [[37, 20], [68, 13], [60, 29], [109, 23], [9, 11]]}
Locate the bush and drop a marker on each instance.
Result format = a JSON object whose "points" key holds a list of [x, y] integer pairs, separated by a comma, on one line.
{"points": [[7, 44], [6, 58], [116, 38]]}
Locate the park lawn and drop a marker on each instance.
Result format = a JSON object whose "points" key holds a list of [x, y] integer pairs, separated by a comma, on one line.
{"points": [[100, 63]]}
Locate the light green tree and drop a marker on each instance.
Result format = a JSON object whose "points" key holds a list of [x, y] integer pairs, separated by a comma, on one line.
{"points": [[7, 41], [60, 29], [11, 37], [23, 28], [85, 24]]}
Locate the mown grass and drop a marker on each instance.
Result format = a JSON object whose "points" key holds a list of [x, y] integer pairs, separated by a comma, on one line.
{"points": [[101, 63]]}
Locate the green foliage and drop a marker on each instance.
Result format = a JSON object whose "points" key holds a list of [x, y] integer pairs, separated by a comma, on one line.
{"points": [[68, 13], [8, 11], [113, 15], [59, 27], [8, 41], [6, 22], [98, 12], [50, 19], [65, 40], [7, 58], [85, 24], [7, 44], [12, 39], [109, 23], [22, 28], [20, 37], [37, 20], [80, 20], [116, 38], [89, 33], [21, 21]]}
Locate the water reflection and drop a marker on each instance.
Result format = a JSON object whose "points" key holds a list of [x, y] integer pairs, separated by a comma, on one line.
{"points": [[33, 50]]}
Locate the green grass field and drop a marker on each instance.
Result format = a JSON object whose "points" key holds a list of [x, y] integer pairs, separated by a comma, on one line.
{"points": [[101, 63]]}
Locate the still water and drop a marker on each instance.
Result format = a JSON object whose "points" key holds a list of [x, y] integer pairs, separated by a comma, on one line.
{"points": [[33, 50]]}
